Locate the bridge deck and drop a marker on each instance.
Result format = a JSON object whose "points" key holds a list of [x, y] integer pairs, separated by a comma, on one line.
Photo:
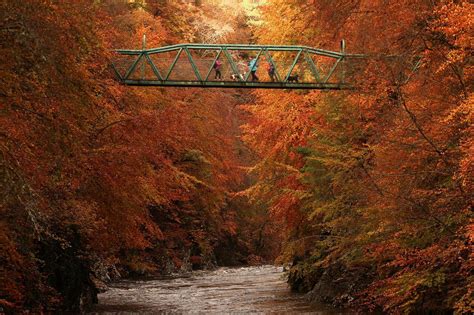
{"points": [[234, 84]]}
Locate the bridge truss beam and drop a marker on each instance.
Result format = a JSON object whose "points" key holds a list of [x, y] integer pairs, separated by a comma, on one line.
{"points": [[305, 61]]}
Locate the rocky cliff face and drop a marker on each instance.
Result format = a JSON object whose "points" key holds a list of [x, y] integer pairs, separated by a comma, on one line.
{"points": [[69, 272]]}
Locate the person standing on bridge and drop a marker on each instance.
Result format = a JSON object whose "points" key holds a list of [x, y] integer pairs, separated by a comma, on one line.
{"points": [[253, 66], [271, 71], [217, 68]]}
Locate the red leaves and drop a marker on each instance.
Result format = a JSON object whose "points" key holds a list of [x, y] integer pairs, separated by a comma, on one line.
{"points": [[130, 169]]}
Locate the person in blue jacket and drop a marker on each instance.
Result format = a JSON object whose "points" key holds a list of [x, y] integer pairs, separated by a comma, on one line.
{"points": [[253, 66]]}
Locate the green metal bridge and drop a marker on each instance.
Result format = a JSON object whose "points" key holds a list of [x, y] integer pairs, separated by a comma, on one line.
{"points": [[192, 65]]}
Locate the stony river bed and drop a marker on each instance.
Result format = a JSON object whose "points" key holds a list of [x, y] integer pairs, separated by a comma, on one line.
{"points": [[248, 290]]}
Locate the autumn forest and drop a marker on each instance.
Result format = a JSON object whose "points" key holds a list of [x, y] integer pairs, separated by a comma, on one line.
{"points": [[365, 195]]}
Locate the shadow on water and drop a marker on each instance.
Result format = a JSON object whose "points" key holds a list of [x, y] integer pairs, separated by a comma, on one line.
{"points": [[255, 290]]}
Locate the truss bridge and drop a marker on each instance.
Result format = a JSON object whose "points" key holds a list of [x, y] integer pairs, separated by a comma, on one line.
{"points": [[194, 65]]}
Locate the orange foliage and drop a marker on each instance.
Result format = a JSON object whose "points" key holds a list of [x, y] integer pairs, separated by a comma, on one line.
{"points": [[383, 174], [375, 183], [113, 172]]}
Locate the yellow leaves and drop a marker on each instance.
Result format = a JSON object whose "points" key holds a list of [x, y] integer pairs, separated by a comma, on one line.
{"points": [[407, 288], [463, 118], [257, 193], [470, 232], [151, 191], [187, 181], [287, 168], [456, 21], [327, 210]]}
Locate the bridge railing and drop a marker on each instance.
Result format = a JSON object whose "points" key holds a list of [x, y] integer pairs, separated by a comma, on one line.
{"points": [[192, 65]]}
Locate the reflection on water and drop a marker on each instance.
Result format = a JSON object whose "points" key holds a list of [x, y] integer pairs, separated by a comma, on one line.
{"points": [[256, 290]]}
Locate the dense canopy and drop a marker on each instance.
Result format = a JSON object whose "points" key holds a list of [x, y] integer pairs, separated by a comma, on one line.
{"points": [[367, 193]]}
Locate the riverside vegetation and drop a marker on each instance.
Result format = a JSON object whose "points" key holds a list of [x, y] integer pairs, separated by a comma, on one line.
{"points": [[367, 193]]}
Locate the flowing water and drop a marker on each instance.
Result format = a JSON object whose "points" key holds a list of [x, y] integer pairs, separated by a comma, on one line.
{"points": [[255, 290]]}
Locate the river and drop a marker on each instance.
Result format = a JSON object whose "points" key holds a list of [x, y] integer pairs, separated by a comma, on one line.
{"points": [[256, 290]]}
